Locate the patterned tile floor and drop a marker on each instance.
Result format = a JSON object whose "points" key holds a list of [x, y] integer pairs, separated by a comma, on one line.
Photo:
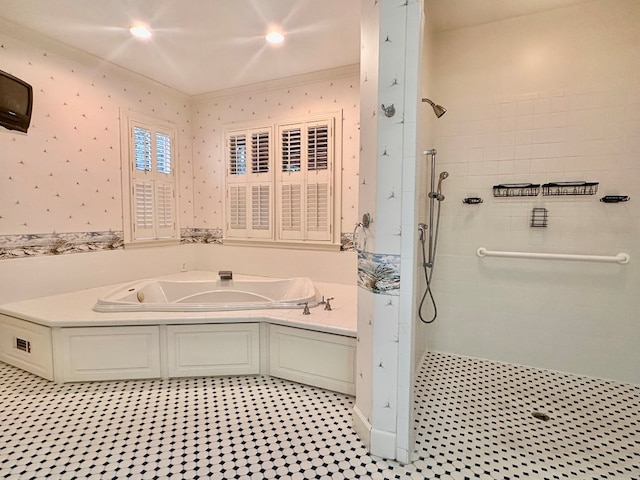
{"points": [[473, 421]]}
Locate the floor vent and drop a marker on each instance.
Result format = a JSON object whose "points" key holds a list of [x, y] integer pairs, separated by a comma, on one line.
{"points": [[24, 345]]}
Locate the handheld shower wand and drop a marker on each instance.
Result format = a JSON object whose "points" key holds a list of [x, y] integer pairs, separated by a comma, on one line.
{"points": [[439, 195], [431, 230]]}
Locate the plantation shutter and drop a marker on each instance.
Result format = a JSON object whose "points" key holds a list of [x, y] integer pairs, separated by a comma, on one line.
{"points": [[143, 227], [165, 207], [153, 183], [290, 183], [319, 206], [237, 211], [237, 145], [249, 184], [291, 199], [304, 181]]}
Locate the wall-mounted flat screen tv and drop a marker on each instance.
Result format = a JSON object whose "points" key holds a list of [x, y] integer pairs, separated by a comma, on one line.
{"points": [[16, 100]]}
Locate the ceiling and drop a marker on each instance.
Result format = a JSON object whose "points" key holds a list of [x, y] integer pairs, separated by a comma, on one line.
{"points": [[201, 46]]}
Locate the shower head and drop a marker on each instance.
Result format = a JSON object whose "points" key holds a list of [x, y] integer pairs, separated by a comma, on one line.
{"points": [[439, 110], [439, 195]]}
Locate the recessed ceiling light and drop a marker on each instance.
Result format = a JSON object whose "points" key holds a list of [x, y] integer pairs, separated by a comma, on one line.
{"points": [[140, 31], [275, 37]]}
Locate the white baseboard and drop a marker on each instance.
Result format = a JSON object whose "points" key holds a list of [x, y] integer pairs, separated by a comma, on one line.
{"points": [[383, 444], [362, 427]]}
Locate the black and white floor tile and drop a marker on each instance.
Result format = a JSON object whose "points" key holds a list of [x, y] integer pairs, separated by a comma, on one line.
{"points": [[473, 421]]}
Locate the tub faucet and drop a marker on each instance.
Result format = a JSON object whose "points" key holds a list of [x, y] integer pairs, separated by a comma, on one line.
{"points": [[305, 310], [328, 305], [225, 274]]}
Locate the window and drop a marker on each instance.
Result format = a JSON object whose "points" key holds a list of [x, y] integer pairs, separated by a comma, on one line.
{"points": [[149, 180], [249, 184], [304, 181], [280, 182]]}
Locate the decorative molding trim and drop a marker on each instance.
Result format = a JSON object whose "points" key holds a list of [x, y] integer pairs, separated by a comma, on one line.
{"points": [[379, 273], [31, 245], [201, 235], [294, 81], [346, 242]]}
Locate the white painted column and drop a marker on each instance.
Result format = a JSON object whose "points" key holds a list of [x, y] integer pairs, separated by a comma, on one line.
{"points": [[391, 45]]}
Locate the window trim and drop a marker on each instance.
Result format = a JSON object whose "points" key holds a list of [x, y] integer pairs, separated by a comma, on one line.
{"points": [[127, 160], [335, 181]]}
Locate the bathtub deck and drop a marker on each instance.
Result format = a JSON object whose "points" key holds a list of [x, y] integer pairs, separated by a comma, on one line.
{"points": [[75, 309]]}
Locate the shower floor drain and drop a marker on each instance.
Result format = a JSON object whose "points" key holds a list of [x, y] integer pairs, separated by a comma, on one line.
{"points": [[541, 416]]}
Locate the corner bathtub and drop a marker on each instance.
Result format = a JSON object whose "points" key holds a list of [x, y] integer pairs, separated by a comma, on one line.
{"points": [[209, 296]]}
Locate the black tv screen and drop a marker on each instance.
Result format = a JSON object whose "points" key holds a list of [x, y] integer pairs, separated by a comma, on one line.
{"points": [[16, 100]]}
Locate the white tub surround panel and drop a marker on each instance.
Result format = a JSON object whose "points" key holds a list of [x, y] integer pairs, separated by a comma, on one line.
{"points": [[106, 353], [390, 60], [26, 345], [313, 358], [200, 350], [60, 337]]}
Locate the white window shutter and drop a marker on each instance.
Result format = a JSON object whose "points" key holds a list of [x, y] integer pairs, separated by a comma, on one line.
{"points": [[317, 212], [165, 210], [153, 182], [291, 149], [260, 152], [164, 154], [319, 201], [290, 211], [237, 154], [260, 211], [291, 199], [237, 211], [318, 147], [142, 148], [143, 214]]}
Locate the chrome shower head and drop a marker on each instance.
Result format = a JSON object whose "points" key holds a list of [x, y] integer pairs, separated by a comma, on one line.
{"points": [[439, 195], [439, 110]]}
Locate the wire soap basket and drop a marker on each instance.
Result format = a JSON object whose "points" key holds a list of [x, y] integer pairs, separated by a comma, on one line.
{"points": [[569, 188], [516, 190]]}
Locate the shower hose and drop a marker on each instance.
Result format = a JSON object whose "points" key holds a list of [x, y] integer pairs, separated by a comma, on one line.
{"points": [[428, 269]]}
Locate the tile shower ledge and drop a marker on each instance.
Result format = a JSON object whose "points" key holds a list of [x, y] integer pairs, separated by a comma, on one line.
{"points": [[75, 309]]}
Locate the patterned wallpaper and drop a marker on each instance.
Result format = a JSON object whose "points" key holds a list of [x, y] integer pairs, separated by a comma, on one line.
{"points": [[212, 114], [64, 175]]}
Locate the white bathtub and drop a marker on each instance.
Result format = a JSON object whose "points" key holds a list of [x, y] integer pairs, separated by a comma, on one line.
{"points": [[209, 296]]}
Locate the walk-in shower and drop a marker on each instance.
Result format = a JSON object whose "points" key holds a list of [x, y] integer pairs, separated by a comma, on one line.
{"points": [[430, 232]]}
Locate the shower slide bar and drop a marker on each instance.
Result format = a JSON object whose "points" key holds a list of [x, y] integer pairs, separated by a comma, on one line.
{"points": [[621, 258]]}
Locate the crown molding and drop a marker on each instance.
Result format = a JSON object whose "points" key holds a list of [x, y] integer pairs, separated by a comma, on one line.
{"points": [[293, 81]]}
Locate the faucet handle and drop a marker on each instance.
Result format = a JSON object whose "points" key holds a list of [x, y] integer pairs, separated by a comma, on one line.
{"points": [[328, 305], [305, 310]]}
